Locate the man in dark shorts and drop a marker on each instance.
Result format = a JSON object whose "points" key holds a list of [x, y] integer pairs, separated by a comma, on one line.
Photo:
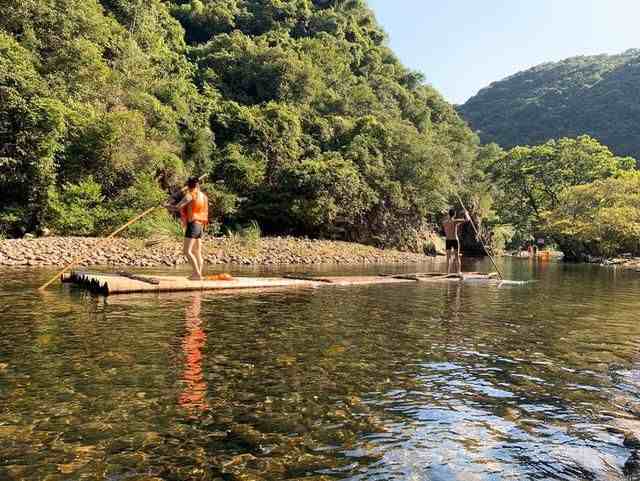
{"points": [[194, 212], [452, 241]]}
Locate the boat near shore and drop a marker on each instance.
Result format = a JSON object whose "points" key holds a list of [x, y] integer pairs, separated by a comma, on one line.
{"points": [[108, 283]]}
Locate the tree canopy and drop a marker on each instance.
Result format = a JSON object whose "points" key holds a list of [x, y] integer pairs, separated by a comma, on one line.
{"points": [[300, 107], [598, 219], [534, 187]]}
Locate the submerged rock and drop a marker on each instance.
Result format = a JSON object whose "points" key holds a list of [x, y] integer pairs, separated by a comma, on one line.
{"points": [[247, 435], [631, 440], [512, 414], [144, 477], [631, 467]]}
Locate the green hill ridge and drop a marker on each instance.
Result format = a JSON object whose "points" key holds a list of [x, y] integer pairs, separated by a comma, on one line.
{"points": [[594, 95]]}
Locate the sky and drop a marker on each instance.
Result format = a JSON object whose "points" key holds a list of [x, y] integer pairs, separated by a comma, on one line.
{"points": [[462, 46]]}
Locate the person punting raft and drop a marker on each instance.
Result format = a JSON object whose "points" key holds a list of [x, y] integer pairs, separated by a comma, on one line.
{"points": [[194, 213], [451, 226]]}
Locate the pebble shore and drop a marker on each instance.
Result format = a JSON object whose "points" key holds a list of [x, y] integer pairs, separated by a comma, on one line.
{"points": [[60, 251], [625, 263]]}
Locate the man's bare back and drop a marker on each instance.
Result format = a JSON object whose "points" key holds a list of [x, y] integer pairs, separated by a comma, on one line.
{"points": [[453, 243], [451, 228]]}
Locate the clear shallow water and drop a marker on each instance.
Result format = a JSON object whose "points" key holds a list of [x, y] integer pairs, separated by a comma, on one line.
{"points": [[407, 382]]}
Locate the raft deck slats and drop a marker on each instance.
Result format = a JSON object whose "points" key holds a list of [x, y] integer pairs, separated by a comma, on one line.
{"points": [[125, 283], [465, 277], [361, 280], [110, 284]]}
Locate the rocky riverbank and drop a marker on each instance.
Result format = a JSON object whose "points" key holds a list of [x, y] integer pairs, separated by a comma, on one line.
{"points": [[59, 251], [626, 262], [623, 262]]}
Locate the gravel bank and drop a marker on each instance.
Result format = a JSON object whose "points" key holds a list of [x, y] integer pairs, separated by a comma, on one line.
{"points": [[59, 251]]}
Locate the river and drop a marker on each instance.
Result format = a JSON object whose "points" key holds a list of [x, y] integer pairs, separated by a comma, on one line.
{"points": [[406, 382]]}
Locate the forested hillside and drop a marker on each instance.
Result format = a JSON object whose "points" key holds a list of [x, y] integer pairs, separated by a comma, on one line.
{"points": [[598, 96], [298, 106]]}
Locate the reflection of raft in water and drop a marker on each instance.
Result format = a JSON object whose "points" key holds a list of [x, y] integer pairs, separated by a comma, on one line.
{"points": [[126, 283]]}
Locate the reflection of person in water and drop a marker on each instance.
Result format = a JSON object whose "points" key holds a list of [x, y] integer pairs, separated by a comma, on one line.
{"points": [[453, 301], [193, 396]]}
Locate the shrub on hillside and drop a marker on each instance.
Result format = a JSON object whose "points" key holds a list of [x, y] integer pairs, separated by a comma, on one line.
{"points": [[77, 209]]}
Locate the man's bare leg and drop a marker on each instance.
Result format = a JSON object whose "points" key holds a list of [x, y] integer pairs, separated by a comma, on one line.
{"points": [[188, 253], [448, 261], [458, 262], [197, 248]]}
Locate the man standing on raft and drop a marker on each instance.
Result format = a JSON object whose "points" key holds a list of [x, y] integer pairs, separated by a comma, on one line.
{"points": [[194, 213], [453, 243]]}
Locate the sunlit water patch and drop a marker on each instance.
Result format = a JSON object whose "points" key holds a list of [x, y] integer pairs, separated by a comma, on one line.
{"points": [[407, 382]]}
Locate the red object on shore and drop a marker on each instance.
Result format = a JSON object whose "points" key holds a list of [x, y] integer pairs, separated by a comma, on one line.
{"points": [[220, 277]]}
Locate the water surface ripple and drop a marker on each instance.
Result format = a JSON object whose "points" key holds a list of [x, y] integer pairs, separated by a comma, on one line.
{"points": [[407, 382]]}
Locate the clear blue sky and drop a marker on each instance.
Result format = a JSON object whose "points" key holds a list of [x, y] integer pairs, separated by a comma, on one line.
{"points": [[463, 45]]}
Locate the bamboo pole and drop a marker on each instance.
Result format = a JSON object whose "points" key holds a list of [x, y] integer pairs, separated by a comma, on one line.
{"points": [[93, 248], [480, 239]]}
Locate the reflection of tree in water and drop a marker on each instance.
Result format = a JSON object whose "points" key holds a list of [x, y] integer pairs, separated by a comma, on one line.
{"points": [[193, 397]]}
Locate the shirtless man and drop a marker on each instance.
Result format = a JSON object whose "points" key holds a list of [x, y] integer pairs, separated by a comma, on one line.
{"points": [[453, 243]]}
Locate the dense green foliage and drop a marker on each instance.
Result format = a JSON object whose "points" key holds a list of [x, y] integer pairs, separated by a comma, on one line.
{"points": [[299, 106], [533, 184], [89, 92], [598, 219], [598, 96]]}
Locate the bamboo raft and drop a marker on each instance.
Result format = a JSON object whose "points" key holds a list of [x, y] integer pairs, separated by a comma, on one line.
{"points": [[128, 283]]}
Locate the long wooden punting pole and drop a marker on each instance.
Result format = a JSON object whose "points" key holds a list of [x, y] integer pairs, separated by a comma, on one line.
{"points": [[493, 261], [87, 254], [93, 248]]}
